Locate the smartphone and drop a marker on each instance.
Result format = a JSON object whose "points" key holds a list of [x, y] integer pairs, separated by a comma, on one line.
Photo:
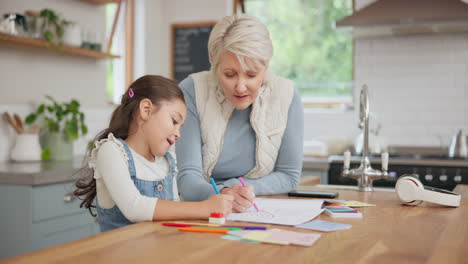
{"points": [[313, 194]]}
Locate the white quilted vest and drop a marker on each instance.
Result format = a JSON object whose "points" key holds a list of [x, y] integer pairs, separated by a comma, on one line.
{"points": [[268, 119]]}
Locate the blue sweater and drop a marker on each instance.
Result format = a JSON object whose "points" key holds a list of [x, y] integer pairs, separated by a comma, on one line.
{"points": [[238, 154]]}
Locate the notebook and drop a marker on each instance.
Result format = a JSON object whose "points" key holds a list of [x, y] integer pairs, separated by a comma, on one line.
{"points": [[344, 212]]}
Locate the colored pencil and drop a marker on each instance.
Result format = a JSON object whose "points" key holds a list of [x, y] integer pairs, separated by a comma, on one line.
{"points": [[219, 227], [195, 223], [248, 227], [202, 230], [245, 185], [188, 224], [213, 183]]}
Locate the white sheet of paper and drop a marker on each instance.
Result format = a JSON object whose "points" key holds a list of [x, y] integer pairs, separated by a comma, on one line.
{"points": [[280, 211]]}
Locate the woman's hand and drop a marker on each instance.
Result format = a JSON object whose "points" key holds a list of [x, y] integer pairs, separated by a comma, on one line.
{"points": [[243, 197], [218, 203]]}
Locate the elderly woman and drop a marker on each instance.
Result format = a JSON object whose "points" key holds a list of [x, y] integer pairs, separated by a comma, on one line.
{"points": [[242, 121]]}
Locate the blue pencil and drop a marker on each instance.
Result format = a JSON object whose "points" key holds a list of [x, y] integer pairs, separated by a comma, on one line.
{"points": [[214, 185]]}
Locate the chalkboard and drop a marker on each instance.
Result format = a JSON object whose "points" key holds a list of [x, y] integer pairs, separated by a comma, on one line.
{"points": [[189, 48]]}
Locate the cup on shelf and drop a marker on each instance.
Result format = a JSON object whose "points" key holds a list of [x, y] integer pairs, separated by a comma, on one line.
{"points": [[72, 35], [86, 38], [8, 24], [35, 23], [98, 38], [91, 39]]}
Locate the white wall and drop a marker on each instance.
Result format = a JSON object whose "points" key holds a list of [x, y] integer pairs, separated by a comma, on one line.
{"points": [[26, 75], [419, 85], [160, 14]]}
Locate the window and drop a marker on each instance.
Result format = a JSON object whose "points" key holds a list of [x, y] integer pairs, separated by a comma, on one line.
{"points": [[308, 49], [115, 68], [120, 71]]}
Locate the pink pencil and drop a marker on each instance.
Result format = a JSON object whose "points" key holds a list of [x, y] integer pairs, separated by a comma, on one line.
{"points": [[245, 185]]}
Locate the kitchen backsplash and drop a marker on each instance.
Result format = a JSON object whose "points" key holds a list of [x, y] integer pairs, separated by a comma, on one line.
{"points": [[419, 85], [418, 91]]}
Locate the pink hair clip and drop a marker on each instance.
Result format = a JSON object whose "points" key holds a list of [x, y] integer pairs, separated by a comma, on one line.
{"points": [[130, 92]]}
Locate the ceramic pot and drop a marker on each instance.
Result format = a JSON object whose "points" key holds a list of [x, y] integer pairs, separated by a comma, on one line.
{"points": [[26, 148], [61, 148]]}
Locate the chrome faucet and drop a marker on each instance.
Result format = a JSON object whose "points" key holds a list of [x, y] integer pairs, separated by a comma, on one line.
{"points": [[365, 174]]}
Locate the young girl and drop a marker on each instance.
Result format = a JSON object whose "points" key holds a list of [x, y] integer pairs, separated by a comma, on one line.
{"points": [[134, 165]]}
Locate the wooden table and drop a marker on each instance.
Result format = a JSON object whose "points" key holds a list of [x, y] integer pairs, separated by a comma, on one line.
{"points": [[387, 233]]}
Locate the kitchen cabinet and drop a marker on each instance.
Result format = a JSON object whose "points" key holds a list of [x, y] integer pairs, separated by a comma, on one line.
{"points": [[40, 216]]}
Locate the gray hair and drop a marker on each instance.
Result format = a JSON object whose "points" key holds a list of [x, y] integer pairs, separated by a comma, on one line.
{"points": [[244, 36]]}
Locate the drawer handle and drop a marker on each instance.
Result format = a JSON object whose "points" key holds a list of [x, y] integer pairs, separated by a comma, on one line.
{"points": [[68, 198]]}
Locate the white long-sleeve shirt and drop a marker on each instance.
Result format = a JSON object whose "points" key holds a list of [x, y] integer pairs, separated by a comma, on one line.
{"points": [[114, 184]]}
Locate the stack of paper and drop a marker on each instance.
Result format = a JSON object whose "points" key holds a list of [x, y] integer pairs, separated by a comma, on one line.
{"points": [[357, 204], [324, 226], [277, 236], [339, 210]]}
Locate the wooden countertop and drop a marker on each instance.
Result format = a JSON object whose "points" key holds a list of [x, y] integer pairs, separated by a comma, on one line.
{"points": [[387, 233]]}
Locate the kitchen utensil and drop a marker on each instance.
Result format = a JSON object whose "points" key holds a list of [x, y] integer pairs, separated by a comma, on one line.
{"points": [[19, 123], [458, 148], [11, 121], [34, 21]]}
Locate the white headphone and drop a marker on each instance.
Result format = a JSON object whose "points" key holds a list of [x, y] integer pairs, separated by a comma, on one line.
{"points": [[411, 192]]}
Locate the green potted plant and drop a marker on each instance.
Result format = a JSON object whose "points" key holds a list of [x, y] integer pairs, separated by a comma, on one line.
{"points": [[54, 25], [62, 123]]}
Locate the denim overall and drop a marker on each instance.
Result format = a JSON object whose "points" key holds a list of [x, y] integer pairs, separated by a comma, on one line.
{"points": [[113, 218]]}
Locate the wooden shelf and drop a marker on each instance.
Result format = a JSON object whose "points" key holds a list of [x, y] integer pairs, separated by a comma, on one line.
{"points": [[64, 49]]}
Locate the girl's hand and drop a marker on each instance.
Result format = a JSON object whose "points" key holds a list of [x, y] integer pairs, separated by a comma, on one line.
{"points": [[243, 197], [218, 203]]}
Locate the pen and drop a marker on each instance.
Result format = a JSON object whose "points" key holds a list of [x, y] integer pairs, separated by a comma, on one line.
{"points": [[194, 223], [247, 227], [186, 224], [245, 185], [202, 230], [214, 185], [219, 227]]}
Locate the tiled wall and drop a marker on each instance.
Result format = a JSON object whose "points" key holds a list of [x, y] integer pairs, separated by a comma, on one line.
{"points": [[418, 90], [419, 85]]}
